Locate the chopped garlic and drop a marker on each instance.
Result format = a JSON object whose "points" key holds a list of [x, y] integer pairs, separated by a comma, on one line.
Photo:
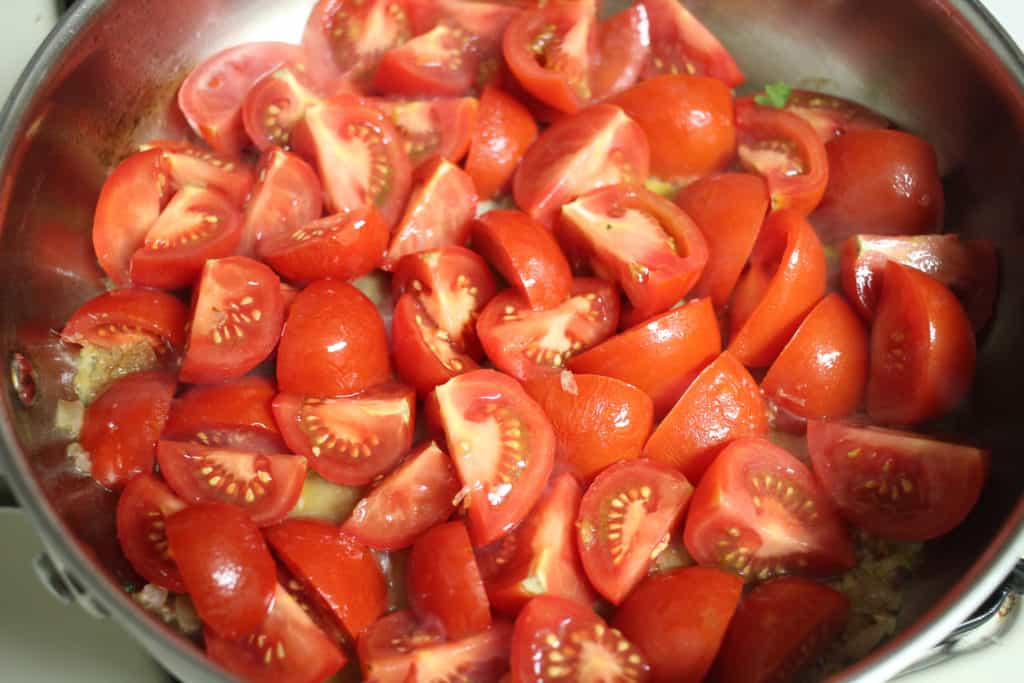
{"points": [[569, 385], [80, 458], [68, 418]]}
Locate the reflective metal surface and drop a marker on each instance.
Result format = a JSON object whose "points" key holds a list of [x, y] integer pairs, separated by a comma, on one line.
{"points": [[105, 81]]}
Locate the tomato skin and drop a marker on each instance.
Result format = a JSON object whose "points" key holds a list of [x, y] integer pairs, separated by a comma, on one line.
{"points": [[225, 564], [145, 501], [343, 246], [386, 648], [623, 47], [524, 252], [922, 349], [338, 42], [884, 182], [189, 165], [831, 116], [895, 484], [661, 356], [108, 318], [505, 129], [423, 356], [729, 209], [287, 195], [276, 104], [437, 127], [681, 44], [334, 342], [678, 620], [440, 62]]}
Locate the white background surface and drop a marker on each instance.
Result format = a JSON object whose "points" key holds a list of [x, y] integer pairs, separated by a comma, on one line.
{"points": [[42, 641]]}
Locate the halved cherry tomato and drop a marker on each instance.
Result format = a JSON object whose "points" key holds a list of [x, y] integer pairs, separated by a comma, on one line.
{"points": [[226, 566], [597, 147], [661, 356], [276, 104], [350, 439], [884, 182], [680, 44], [526, 343], [560, 640], [286, 196], [722, 404], [445, 583], [236, 321], [625, 520], [265, 486], [623, 48], [788, 264], [479, 657], [526, 254], [142, 509], [503, 448], [644, 242], [729, 209], [288, 647], [121, 427], [341, 572], [779, 628], [922, 349], [678, 620], [439, 62], [786, 151], [124, 317], [440, 208], [759, 512], [342, 246], [410, 500], [386, 648], [188, 164], [504, 130], [425, 355], [598, 420], [832, 116], [896, 484], [211, 97], [345, 38], [334, 342], [436, 127]]}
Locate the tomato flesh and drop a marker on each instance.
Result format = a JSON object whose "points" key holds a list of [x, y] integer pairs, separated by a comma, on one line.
{"points": [[287, 196], [680, 44], [505, 129], [142, 511], [386, 648], [345, 38], [275, 105], [123, 317], [441, 126]]}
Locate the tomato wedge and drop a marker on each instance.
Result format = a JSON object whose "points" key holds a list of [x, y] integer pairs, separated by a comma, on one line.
{"points": [[425, 355], [623, 48], [125, 317], [345, 38], [286, 196], [439, 62], [680, 44], [188, 164], [832, 116], [276, 104], [502, 446], [436, 127], [759, 512], [142, 511], [387, 647], [505, 129]]}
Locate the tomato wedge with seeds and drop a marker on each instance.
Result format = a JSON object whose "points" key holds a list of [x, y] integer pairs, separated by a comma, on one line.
{"points": [[236, 321], [436, 127], [124, 317], [439, 62], [832, 116], [526, 343], [480, 657], [386, 648], [623, 48], [505, 129], [142, 509], [276, 104], [895, 484], [351, 439], [758, 512], [188, 164], [502, 446], [286, 196], [425, 355], [680, 44], [347, 37]]}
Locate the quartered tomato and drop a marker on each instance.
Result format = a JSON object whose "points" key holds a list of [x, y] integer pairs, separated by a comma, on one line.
{"points": [[759, 512], [642, 241], [188, 164], [439, 62], [125, 317], [526, 343], [386, 648], [623, 49], [350, 439], [416, 496], [286, 196], [425, 355], [504, 130], [276, 104], [236, 321], [680, 44], [347, 37], [479, 657], [502, 446], [436, 127], [896, 484], [597, 147], [832, 116], [142, 511]]}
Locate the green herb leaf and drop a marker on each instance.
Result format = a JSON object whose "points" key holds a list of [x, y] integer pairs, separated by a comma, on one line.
{"points": [[774, 95]]}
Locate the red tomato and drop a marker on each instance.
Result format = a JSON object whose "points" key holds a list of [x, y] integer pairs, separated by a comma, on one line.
{"points": [[188, 164], [786, 151], [729, 209], [236, 321], [832, 116], [722, 404], [623, 48], [121, 427], [142, 509], [342, 246], [884, 182], [789, 264], [439, 211], [780, 627], [276, 104], [351, 439], [346, 38], [440, 62], [758, 512], [922, 349], [407, 502], [436, 127], [123, 317], [896, 484], [642, 241], [485, 20], [680, 44], [265, 486], [288, 647], [661, 356], [359, 155], [386, 648], [334, 342], [505, 129], [211, 97], [539, 557], [597, 147], [560, 640], [286, 197], [528, 344], [598, 420], [226, 566], [678, 620], [341, 572], [526, 254], [445, 583], [502, 446], [425, 355]]}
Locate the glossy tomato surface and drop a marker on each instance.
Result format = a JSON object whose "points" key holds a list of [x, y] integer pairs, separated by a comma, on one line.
{"points": [[142, 512], [345, 38], [124, 317], [505, 129], [287, 195], [234, 414], [680, 44]]}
